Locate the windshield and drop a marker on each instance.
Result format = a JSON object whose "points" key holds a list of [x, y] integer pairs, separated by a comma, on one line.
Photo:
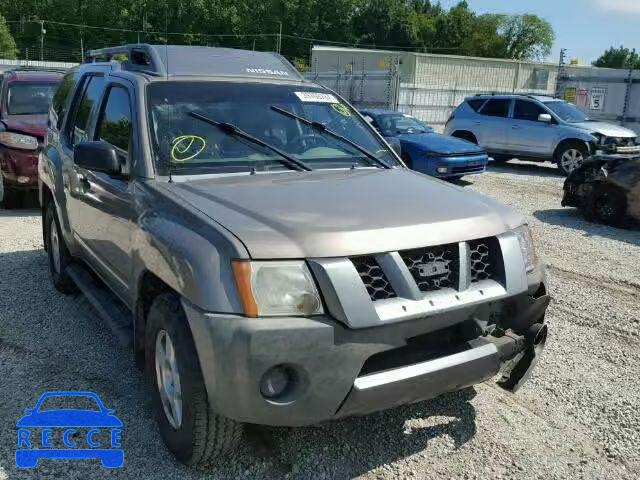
{"points": [[192, 146], [401, 124], [567, 112], [29, 98]]}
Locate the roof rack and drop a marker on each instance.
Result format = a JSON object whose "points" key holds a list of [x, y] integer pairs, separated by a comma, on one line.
{"points": [[35, 68], [139, 56], [194, 60]]}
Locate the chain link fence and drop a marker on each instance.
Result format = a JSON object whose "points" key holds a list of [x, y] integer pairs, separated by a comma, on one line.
{"points": [[431, 86]]}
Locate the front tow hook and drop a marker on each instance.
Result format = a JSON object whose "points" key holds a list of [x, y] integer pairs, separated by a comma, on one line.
{"points": [[523, 364]]}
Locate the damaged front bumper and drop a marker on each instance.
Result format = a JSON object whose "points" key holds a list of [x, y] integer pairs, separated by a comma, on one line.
{"points": [[332, 371]]}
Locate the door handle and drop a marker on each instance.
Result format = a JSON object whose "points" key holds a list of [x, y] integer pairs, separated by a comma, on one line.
{"points": [[477, 123], [515, 127]]}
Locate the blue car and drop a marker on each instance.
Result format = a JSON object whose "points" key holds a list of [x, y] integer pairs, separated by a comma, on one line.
{"points": [[41, 432], [424, 150]]}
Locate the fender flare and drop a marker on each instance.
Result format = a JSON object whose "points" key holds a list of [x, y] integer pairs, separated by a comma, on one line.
{"points": [[197, 268]]}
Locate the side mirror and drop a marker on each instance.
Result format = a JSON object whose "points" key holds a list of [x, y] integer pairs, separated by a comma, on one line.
{"points": [[545, 118], [97, 156]]}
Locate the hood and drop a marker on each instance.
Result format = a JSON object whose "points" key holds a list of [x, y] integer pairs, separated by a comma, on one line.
{"points": [[336, 213], [434, 142], [35, 125], [606, 129]]}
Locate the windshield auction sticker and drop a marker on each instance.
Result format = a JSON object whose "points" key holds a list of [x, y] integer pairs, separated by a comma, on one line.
{"points": [[316, 97], [92, 431]]}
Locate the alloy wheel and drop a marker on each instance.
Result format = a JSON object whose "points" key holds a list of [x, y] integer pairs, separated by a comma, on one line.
{"points": [[168, 379]]}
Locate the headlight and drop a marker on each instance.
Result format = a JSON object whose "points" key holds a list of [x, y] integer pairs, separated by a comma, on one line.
{"points": [[526, 247], [599, 138], [277, 288], [16, 140]]}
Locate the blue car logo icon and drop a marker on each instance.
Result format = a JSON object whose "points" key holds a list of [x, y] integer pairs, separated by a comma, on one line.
{"points": [[40, 433]]}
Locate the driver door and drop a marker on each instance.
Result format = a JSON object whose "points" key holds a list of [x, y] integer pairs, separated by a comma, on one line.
{"points": [[105, 214]]}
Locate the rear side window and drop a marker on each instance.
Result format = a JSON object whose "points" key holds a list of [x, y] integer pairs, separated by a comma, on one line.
{"points": [[525, 110], [61, 97], [476, 104], [92, 91], [115, 125], [497, 108]]}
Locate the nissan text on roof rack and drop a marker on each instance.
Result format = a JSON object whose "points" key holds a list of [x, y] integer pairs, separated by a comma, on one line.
{"points": [[266, 254], [538, 128]]}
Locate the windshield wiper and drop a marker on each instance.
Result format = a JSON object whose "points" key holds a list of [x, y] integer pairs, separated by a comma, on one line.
{"points": [[231, 129], [322, 128]]}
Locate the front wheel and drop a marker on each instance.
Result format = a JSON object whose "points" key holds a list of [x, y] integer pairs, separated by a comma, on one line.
{"points": [[570, 157], [189, 428]]}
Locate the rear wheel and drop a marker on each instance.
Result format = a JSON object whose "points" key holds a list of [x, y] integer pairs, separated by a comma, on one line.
{"points": [[189, 428], [571, 156], [57, 253]]}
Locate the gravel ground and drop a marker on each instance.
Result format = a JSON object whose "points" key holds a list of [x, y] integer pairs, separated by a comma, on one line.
{"points": [[577, 418]]}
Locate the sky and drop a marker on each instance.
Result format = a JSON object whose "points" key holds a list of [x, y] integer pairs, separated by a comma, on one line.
{"points": [[586, 28]]}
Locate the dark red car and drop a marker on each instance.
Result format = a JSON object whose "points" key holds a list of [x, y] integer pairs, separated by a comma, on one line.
{"points": [[24, 103]]}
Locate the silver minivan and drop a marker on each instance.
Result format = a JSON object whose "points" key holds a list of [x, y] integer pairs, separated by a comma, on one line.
{"points": [[536, 128]]}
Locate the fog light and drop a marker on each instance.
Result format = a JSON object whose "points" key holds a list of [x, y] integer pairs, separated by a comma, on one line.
{"points": [[442, 170], [275, 382], [23, 179]]}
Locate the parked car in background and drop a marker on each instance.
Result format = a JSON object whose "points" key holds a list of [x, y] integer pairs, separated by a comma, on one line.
{"points": [[24, 104], [537, 128], [424, 150]]}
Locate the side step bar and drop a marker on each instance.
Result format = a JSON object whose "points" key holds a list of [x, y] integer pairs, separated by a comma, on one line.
{"points": [[108, 306]]}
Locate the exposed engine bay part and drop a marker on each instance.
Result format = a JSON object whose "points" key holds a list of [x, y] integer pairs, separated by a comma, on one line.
{"points": [[606, 189]]}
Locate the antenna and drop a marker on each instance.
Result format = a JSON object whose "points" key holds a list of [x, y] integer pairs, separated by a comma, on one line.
{"points": [[166, 54]]}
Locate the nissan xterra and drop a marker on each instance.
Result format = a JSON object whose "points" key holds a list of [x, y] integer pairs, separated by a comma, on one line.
{"points": [[265, 252]]}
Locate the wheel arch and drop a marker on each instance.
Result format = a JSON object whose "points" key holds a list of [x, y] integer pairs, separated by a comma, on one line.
{"points": [[465, 135], [568, 141], [170, 257]]}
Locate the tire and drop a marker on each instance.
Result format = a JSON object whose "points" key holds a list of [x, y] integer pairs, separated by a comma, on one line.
{"points": [[570, 156], [501, 159], [407, 160], [196, 434], [610, 206], [9, 198], [57, 252]]}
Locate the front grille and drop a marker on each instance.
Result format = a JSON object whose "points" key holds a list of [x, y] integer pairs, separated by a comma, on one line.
{"points": [[434, 268], [468, 169], [373, 277], [485, 260]]}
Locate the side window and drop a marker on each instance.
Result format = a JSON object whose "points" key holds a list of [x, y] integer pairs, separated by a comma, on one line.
{"points": [[525, 110], [92, 90], [60, 99], [497, 108], [477, 103], [115, 124]]}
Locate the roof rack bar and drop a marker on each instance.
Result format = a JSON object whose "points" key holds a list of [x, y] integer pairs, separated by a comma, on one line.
{"points": [[142, 56], [35, 68]]}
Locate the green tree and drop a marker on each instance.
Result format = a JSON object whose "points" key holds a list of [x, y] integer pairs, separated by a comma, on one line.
{"points": [[619, 57], [526, 37], [8, 47]]}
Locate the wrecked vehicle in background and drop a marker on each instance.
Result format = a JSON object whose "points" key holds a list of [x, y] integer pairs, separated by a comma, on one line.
{"points": [[606, 189]]}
